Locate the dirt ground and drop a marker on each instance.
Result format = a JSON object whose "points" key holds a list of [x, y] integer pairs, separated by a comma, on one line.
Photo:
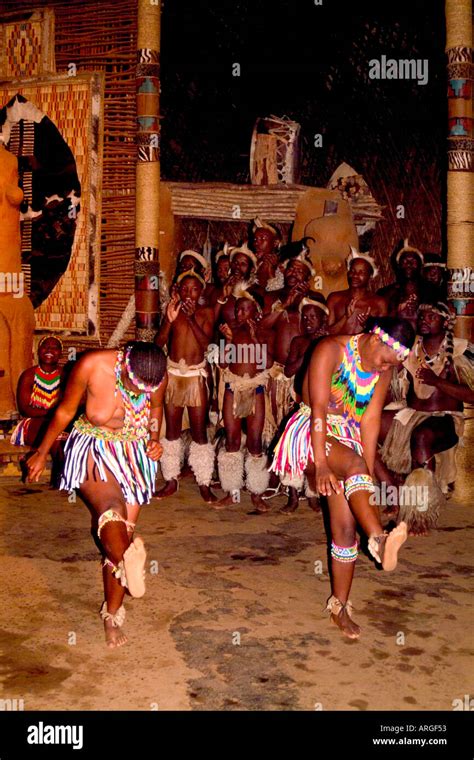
{"points": [[234, 618]]}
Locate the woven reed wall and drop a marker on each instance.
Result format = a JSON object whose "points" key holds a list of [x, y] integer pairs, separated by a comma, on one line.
{"points": [[101, 36]]}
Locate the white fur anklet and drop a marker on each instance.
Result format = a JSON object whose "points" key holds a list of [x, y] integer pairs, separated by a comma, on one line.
{"points": [[117, 619]]}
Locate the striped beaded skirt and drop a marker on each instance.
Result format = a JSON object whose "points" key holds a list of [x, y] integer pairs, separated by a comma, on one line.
{"points": [[124, 456], [294, 451]]}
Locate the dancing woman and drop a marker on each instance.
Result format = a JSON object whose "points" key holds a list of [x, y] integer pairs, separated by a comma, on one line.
{"points": [[111, 456], [333, 437]]}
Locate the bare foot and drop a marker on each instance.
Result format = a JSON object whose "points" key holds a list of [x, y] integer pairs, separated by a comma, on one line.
{"points": [[134, 563], [346, 624], [385, 547], [226, 501], [260, 505], [314, 503], [207, 494], [169, 488], [114, 637]]}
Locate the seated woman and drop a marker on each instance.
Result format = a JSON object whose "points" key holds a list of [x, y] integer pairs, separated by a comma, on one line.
{"points": [[333, 438], [38, 394]]}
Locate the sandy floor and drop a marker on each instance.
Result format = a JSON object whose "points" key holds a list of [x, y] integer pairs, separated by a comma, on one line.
{"points": [[234, 618]]}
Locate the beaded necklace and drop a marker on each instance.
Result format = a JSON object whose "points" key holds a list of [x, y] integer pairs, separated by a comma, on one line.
{"points": [[352, 387], [45, 391], [136, 405], [427, 358]]}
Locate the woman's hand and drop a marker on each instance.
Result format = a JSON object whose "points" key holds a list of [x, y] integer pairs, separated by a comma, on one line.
{"points": [[154, 450], [36, 464], [326, 482]]}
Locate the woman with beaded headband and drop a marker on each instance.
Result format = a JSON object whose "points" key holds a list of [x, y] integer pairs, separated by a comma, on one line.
{"points": [[38, 394], [111, 457], [333, 438]]}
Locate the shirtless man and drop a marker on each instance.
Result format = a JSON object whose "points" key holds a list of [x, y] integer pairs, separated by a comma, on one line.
{"points": [[245, 376], [243, 267], [192, 260], [314, 316], [222, 274], [434, 278], [187, 331], [439, 374], [265, 243], [405, 295], [111, 456], [283, 317], [349, 309]]}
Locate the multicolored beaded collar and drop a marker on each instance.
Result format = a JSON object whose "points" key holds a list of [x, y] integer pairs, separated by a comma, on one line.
{"points": [[139, 383], [401, 350]]}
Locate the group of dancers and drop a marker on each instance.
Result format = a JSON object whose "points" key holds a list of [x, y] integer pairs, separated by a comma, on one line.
{"points": [[260, 383]]}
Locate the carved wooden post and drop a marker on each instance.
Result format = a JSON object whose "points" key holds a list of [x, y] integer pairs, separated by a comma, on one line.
{"points": [[460, 201], [147, 208]]}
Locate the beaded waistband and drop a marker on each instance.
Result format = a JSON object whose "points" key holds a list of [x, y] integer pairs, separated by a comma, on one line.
{"points": [[84, 426]]}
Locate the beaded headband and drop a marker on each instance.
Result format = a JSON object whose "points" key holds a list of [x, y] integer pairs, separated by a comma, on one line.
{"points": [[400, 349], [47, 337], [139, 383], [190, 273], [441, 309], [439, 264]]}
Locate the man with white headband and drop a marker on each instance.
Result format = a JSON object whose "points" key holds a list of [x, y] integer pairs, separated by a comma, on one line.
{"points": [[265, 243], [437, 380], [283, 317], [187, 330], [349, 309], [435, 278], [243, 269], [314, 317], [405, 295]]}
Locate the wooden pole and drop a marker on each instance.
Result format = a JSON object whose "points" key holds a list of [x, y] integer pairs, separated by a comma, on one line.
{"points": [[147, 230], [460, 184]]}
